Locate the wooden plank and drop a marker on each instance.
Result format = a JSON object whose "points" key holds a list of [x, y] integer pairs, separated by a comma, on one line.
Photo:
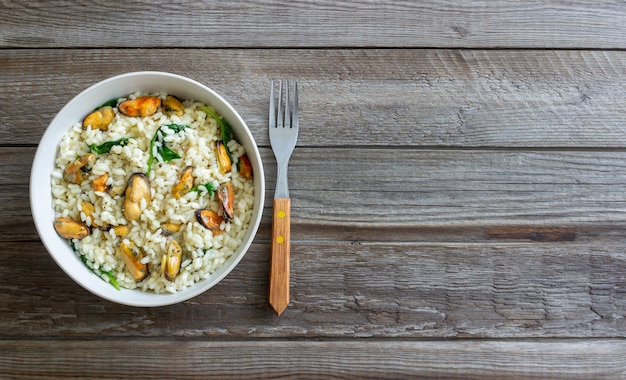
{"points": [[388, 187], [553, 359], [428, 195], [427, 98], [500, 289], [328, 23]]}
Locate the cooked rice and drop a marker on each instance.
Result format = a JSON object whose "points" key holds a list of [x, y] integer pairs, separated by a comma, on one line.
{"points": [[203, 252]]}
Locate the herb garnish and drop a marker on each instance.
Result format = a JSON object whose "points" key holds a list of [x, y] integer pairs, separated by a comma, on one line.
{"points": [[164, 152], [106, 147], [208, 186], [225, 128], [110, 103]]}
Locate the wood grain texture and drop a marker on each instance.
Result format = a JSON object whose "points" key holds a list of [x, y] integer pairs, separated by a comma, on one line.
{"points": [[279, 257], [551, 359], [457, 204], [406, 97], [328, 23], [455, 194], [503, 289]]}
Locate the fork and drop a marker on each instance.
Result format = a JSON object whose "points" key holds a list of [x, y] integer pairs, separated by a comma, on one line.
{"points": [[283, 131]]}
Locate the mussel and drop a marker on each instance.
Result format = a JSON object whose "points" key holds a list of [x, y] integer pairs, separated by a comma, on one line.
{"points": [[226, 195], [209, 219], [170, 263], [70, 229], [78, 170], [184, 184], [89, 210], [132, 255], [245, 167], [223, 159], [141, 106], [170, 228], [100, 183], [121, 230], [100, 118], [171, 104], [137, 190]]}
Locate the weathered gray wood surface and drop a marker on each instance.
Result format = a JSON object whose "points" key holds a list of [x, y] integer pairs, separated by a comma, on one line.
{"points": [[391, 359], [324, 23], [457, 191], [413, 194], [347, 289], [363, 97]]}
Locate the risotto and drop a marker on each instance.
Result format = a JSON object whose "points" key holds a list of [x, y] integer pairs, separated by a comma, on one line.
{"points": [[153, 193]]}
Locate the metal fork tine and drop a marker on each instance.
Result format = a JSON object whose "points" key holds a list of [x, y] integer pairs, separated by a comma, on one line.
{"points": [[272, 107], [294, 114], [280, 104], [287, 115]]}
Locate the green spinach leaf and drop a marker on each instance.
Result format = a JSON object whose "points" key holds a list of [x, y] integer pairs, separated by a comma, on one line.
{"points": [[208, 186], [164, 152], [110, 103], [225, 129], [106, 147], [167, 154]]}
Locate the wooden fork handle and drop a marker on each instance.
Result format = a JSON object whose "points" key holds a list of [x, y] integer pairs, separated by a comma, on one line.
{"points": [[279, 262]]}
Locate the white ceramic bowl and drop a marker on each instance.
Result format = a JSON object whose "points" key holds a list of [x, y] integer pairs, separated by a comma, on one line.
{"points": [[75, 110]]}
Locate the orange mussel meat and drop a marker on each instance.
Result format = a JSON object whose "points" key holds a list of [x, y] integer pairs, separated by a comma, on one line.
{"points": [[141, 106]]}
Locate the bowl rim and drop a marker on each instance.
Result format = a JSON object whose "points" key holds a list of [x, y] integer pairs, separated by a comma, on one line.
{"points": [[41, 168]]}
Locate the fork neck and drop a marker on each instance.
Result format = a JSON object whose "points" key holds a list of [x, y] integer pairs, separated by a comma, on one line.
{"points": [[282, 191]]}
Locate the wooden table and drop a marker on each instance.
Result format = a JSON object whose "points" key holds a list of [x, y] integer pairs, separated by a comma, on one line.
{"points": [[458, 189]]}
